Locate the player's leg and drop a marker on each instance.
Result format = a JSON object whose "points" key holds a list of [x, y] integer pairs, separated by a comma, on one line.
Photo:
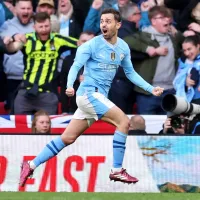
{"points": [[75, 128], [117, 117], [107, 111]]}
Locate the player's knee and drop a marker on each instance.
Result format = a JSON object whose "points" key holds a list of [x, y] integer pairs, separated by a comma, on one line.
{"points": [[125, 123], [69, 139]]}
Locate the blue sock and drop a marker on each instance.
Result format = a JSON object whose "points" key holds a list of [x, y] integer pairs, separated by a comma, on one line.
{"points": [[119, 142], [51, 150]]}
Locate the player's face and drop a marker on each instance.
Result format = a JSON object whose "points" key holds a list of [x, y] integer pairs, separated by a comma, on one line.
{"points": [[190, 50], [43, 29], [109, 26], [42, 124]]}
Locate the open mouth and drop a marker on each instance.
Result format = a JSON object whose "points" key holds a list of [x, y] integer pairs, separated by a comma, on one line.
{"points": [[105, 31], [25, 17], [166, 25]]}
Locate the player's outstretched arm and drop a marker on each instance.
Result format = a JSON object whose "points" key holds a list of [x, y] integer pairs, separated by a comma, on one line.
{"points": [[135, 78], [157, 91]]}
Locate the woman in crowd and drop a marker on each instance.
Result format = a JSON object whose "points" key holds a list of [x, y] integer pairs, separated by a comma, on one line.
{"points": [[41, 123], [187, 79]]}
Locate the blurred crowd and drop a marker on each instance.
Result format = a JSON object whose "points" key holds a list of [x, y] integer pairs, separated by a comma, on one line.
{"points": [[163, 36]]}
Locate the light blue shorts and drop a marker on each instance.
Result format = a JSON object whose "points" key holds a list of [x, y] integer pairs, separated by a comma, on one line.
{"points": [[92, 105]]}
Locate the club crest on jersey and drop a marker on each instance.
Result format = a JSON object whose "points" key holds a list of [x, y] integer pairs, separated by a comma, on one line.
{"points": [[122, 56], [112, 55]]}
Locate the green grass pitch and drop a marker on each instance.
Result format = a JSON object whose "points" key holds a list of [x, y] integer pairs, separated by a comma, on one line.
{"points": [[97, 196]]}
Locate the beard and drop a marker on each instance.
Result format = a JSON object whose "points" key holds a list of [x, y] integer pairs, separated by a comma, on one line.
{"points": [[24, 22], [110, 35]]}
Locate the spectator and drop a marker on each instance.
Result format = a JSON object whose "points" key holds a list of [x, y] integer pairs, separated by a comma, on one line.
{"points": [[120, 4], [184, 10], [187, 79], [130, 18], [71, 25], [48, 6], [137, 125], [145, 6], [69, 103], [121, 92], [7, 11], [4, 44], [41, 123], [40, 81], [13, 64], [35, 4], [159, 67], [93, 17]]}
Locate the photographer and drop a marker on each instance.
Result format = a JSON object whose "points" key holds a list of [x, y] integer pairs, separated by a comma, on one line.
{"points": [[174, 125], [183, 117]]}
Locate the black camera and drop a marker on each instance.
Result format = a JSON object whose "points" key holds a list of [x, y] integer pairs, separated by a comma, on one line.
{"points": [[177, 122]]}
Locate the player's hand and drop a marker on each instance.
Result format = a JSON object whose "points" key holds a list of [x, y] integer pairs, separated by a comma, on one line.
{"points": [[157, 91], [70, 92]]}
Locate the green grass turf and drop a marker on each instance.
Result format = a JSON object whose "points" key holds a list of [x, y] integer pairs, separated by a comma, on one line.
{"points": [[97, 196]]}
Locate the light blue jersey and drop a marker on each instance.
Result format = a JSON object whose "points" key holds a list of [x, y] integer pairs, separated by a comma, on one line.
{"points": [[101, 61]]}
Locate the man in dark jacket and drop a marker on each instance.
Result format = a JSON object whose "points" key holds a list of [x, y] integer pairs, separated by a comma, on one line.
{"points": [[160, 67], [4, 48]]}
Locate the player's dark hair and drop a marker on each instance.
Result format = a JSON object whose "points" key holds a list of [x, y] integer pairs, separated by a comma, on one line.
{"points": [[40, 17], [116, 13]]}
